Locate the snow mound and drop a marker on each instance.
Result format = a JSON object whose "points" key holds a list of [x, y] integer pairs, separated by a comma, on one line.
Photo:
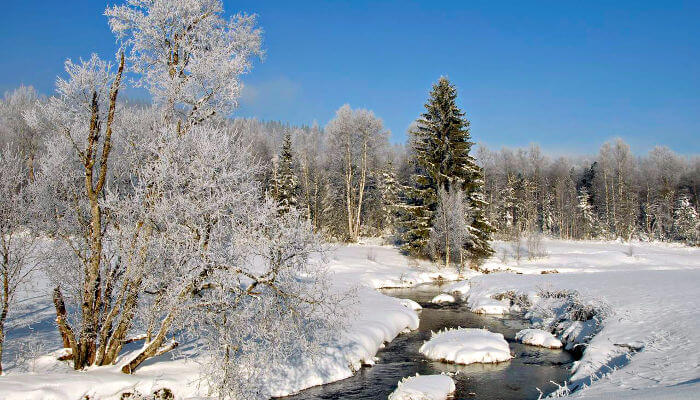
{"points": [[461, 288], [487, 305], [426, 387], [467, 346], [538, 337], [410, 304], [443, 298]]}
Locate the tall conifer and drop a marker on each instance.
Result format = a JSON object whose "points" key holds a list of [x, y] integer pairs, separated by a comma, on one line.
{"points": [[441, 143]]}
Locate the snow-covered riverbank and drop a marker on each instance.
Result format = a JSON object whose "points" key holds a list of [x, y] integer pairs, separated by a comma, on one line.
{"points": [[646, 346], [359, 269], [647, 343]]}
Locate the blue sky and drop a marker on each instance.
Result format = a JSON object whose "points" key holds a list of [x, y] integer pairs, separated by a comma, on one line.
{"points": [[568, 75]]}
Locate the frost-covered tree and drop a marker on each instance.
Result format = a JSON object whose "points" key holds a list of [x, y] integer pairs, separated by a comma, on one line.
{"points": [[588, 222], [14, 129], [355, 137], [17, 240], [390, 192], [285, 184], [441, 143], [75, 174], [686, 222], [187, 54], [451, 232]]}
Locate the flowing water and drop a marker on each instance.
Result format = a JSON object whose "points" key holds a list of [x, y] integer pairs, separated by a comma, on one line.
{"points": [[519, 378]]}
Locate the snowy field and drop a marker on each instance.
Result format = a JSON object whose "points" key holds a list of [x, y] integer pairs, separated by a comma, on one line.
{"points": [[648, 342], [645, 342]]}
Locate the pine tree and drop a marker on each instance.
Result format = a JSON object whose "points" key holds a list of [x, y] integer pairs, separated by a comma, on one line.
{"points": [[441, 144], [588, 222], [390, 190], [686, 221], [285, 182]]}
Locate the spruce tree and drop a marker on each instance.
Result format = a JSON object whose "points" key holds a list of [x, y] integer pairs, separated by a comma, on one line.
{"points": [[686, 221], [285, 182], [390, 190], [441, 144]]}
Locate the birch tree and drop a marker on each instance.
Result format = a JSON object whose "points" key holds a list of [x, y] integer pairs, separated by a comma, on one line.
{"points": [[17, 240], [356, 136]]}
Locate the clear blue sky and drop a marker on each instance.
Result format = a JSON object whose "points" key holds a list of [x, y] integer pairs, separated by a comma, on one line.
{"points": [[566, 74]]}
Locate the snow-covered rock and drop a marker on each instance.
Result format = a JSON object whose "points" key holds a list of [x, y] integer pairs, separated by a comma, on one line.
{"points": [[538, 337], [410, 304], [467, 346], [487, 305], [461, 288], [443, 298], [424, 387]]}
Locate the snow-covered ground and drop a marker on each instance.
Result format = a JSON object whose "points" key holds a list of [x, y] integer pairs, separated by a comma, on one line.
{"points": [[641, 340], [648, 294], [359, 269], [426, 387]]}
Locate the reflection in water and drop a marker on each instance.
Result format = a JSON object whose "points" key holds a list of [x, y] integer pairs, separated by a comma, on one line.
{"points": [[519, 378]]}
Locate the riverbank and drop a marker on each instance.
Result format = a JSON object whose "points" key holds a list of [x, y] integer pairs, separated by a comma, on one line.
{"points": [[643, 341], [645, 344]]}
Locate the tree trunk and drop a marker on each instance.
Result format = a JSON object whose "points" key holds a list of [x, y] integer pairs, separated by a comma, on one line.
{"points": [[348, 188], [5, 304], [363, 179]]}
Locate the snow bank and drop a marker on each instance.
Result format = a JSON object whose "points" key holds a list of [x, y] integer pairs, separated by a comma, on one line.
{"points": [[632, 308], [378, 319], [487, 305], [461, 288], [538, 337], [410, 304], [467, 346], [424, 387], [443, 298]]}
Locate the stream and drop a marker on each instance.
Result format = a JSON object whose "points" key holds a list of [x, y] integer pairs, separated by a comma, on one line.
{"points": [[519, 378]]}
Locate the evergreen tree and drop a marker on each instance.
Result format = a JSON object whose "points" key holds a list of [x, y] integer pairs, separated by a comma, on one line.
{"points": [[686, 221], [441, 144], [588, 222], [390, 190], [284, 181]]}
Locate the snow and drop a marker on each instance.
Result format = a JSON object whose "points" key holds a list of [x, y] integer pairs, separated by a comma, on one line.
{"points": [[460, 288], [538, 337], [410, 304], [467, 346], [443, 298], [356, 269], [645, 343], [424, 387], [487, 305]]}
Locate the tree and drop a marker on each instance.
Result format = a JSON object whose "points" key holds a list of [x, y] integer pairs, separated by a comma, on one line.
{"points": [[355, 137], [441, 143], [187, 55], [14, 129], [75, 174], [390, 192], [286, 182], [17, 241], [588, 222], [451, 231], [686, 221]]}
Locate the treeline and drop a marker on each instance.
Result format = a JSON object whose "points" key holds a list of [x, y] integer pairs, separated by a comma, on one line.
{"points": [[613, 194]]}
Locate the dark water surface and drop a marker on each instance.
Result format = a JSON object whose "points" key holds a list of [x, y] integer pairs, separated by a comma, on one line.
{"points": [[519, 378]]}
